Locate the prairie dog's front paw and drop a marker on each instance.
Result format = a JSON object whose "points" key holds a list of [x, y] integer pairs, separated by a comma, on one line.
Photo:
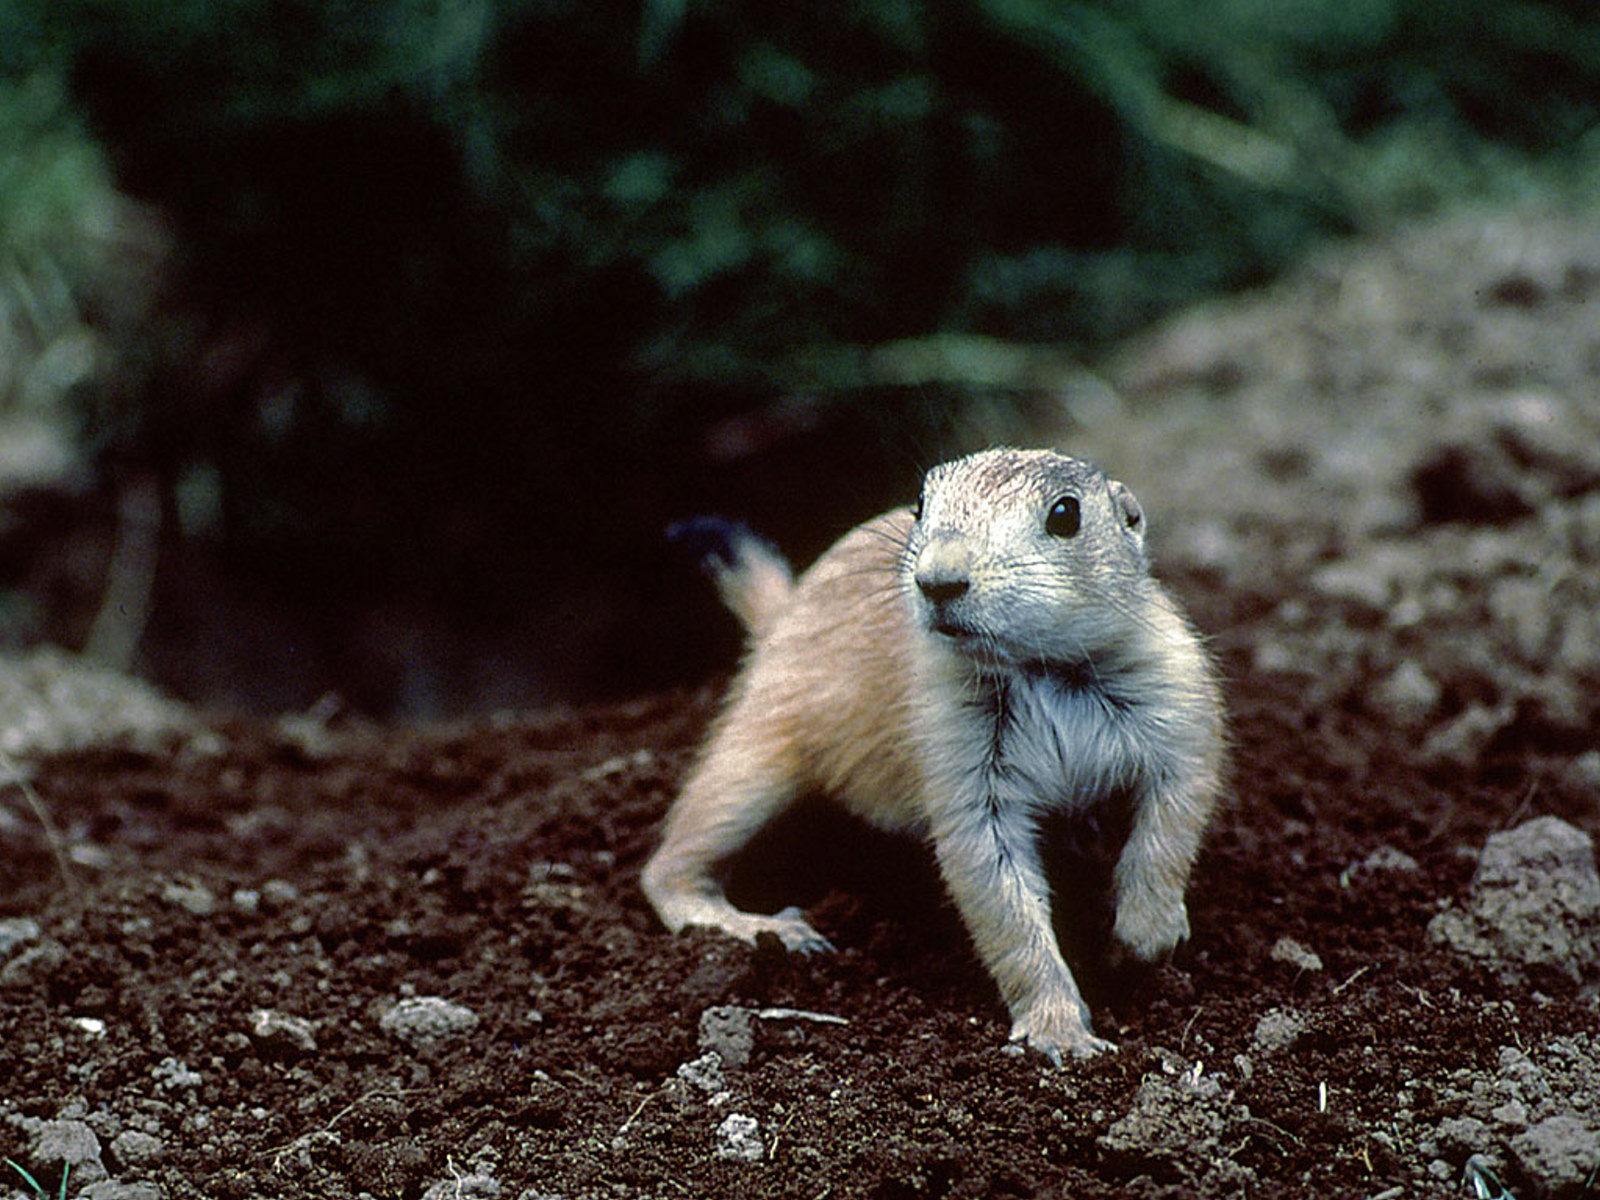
{"points": [[1150, 929], [789, 926], [795, 932], [1058, 1032]]}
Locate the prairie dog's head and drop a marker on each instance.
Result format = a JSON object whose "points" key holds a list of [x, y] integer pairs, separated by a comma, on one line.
{"points": [[1023, 557]]}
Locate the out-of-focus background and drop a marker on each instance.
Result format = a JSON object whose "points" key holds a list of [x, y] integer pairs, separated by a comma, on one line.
{"points": [[366, 346]]}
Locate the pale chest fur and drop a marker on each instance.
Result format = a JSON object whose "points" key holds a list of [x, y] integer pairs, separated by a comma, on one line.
{"points": [[1009, 746]]}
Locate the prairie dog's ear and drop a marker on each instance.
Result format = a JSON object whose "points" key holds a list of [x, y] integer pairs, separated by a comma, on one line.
{"points": [[1126, 506]]}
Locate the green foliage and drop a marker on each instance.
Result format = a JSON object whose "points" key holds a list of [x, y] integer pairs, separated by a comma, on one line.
{"points": [[34, 1183], [499, 235], [865, 169], [53, 177]]}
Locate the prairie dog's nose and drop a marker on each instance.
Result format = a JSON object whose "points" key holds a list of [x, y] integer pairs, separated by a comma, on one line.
{"points": [[940, 588], [942, 573]]}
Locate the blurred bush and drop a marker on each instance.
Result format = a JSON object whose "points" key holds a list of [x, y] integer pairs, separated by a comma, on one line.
{"points": [[444, 271]]}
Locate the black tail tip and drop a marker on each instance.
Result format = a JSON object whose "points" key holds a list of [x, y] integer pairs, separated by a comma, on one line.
{"points": [[709, 539]]}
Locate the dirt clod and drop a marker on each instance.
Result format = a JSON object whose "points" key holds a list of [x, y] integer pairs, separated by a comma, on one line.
{"points": [[1535, 902]]}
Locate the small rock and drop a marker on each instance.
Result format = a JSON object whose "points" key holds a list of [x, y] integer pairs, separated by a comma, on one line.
{"points": [[281, 1032], [1582, 772], [640, 760], [1410, 694], [34, 964], [423, 1020], [1387, 858], [705, 1073], [72, 1144], [1512, 1112], [728, 1031], [132, 1148], [1522, 610], [1278, 1029], [195, 898], [174, 1075], [1462, 740], [112, 1189], [1535, 900], [465, 1187], [1355, 580], [739, 1139], [277, 895], [1287, 950], [15, 933], [1461, 1136], [1383, 859], [1557, 1154]]}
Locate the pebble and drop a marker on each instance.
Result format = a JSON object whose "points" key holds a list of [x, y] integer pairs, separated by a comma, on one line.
{"points": [[1582, 772], [174, 1075], [1388, 858], [1461, 740], [34, 964], [1409, 694], [423, 1020], [72, 1144], [705, 1073], [277, 894], [1287, 950], [281, 1031], [1357, 581], [133, 1147], [112, 1189], [194, 898], [1278, 1030], [739, 1139], [729, 1032], [466, 1187], [16, 932]]}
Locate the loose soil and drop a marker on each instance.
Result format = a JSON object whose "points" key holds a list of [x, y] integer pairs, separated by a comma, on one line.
{"points": [[1377, 490]]}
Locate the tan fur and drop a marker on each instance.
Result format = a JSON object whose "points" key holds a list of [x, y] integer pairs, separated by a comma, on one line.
{"points": [[960, 675]]}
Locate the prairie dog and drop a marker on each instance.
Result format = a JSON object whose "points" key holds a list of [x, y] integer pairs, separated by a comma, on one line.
{"points": [[960, 670]]}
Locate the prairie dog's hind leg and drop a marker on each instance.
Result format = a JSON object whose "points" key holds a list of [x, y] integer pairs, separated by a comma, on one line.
{"points": [[728, 799]]}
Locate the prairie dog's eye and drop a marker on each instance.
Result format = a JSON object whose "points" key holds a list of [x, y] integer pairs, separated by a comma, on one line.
{"points": [[916, 509], [1064, 518]]}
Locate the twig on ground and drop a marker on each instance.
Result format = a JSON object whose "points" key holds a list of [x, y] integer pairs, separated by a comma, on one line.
{"points": [[634, 1115], [1360, 971], [277, 1152], [1184, 1040], [798, 1014], [52, 836]]}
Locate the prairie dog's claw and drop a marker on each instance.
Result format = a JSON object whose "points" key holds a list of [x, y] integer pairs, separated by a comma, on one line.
{"points": [[1060, 1038], [795, 932]]}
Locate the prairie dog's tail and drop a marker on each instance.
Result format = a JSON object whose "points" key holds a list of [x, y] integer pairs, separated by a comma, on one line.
{"points": [[752, 577]]}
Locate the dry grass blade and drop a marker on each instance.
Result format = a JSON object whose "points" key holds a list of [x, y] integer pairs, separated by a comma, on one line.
{"points": [[41, 813]]}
